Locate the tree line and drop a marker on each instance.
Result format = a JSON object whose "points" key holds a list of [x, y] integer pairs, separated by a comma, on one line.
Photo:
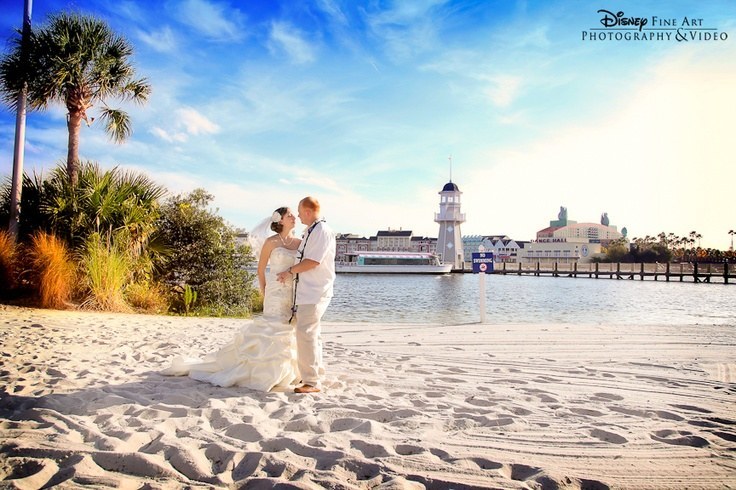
{"points": [[666, 247], [118, 241], [105, 239]]}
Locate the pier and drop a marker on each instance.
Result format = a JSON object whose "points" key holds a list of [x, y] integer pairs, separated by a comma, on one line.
{"points": [[718, 273]]}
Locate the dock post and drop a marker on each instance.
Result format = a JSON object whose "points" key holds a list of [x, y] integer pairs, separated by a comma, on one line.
{"points": [[695, 272], [575, 270], [618, 270], [596, 270], [537, 273], [641, 274], [725, 273], [519, 268], [667, 274], [681, 274]]}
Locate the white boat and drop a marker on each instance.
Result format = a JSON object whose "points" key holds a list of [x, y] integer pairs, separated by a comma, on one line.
{"points": [[392, 263]]}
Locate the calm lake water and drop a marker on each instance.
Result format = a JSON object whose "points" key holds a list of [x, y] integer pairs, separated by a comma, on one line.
{"points": [[453, 299]]}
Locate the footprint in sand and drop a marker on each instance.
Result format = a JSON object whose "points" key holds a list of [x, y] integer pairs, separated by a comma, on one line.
{"points": [[586, 412], [608, 396], [369, 450], [679, 438], [691, 408], [726, 436], [408, 449], [519, 472], [606, 436]]}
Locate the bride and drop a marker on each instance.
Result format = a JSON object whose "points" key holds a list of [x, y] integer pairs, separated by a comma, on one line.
{"points": [[262, 355]]}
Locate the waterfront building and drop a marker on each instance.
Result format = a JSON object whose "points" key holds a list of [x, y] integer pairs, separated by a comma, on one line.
{"points": [[348, 243], [393, 240], [423, 244], [567, 241], [449, 239], [383, 241], [504, 248]]}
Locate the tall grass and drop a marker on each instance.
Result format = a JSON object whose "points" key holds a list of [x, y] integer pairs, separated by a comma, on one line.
{"points": [[54, 270], [148, 297], [8, 261], [107, 270]]}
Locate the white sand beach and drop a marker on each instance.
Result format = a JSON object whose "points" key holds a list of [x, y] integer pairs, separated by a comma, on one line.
{"points": [[404, 406]]}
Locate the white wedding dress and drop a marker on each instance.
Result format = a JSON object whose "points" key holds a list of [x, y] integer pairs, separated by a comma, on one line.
{"points": [[262, 356]]}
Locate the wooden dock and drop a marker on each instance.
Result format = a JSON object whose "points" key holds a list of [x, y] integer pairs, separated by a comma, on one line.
{"points": [[720, 273]]}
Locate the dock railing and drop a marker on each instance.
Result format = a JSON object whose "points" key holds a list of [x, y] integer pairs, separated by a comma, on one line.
{"points": [[723, 272]]}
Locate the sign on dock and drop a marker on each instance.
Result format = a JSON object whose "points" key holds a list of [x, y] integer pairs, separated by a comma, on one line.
{"points": [[482, 262]]}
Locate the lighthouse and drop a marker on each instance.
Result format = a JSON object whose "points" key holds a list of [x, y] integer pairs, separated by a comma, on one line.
{"points": [[449, 241]]}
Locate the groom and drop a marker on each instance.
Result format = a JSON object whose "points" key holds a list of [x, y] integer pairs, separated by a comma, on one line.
{"points": [[315, 275]]}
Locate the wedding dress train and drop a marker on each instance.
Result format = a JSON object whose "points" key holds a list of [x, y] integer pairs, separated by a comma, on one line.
{"points": [[262, 355]]}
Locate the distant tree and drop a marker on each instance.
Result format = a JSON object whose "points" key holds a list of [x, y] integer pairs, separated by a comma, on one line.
{"points": [[205, 256], [78, 61], [617, 250]]}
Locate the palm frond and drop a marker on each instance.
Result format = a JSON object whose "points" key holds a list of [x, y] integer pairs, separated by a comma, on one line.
{"points": [[117, 124]]}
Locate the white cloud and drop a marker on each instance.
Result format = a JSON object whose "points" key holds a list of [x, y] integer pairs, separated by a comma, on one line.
{"points": [[333, 10], [173, 137], [214, 20], [187, 122], [162, 40], [407, 28], [195, 123], [503, 90], [289, 39]]}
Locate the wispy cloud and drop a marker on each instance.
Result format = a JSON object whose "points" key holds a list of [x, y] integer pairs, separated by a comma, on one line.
{"points": [[285, 37], [406, 29], [187, 122], [333, 10], [162, 40], [196, 123], [503, 89], [216, 21]]}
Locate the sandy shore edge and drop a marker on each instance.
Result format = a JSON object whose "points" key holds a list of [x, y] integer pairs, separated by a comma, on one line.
{"points": [[404, 406]]}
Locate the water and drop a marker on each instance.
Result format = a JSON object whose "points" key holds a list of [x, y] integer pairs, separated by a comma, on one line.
{"points": [[453, 299]]}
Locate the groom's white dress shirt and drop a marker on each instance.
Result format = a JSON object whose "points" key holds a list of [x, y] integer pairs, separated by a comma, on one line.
{"points": [[316, 285]]}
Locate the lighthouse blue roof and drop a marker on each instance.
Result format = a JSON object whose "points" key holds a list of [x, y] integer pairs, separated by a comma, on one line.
{"points": [[450, 187]]}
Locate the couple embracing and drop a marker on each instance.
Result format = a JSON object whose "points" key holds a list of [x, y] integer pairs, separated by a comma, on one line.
{"points": [[284, 346]]}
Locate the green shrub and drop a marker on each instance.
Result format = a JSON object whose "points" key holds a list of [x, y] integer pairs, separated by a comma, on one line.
{"points": [[204, 256]]}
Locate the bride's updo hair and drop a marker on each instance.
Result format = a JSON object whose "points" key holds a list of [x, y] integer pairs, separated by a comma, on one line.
{"points": [[276, 225]]}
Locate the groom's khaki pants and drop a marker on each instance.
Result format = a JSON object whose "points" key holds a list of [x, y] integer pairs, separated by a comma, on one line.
{"points": [[309, 341]]}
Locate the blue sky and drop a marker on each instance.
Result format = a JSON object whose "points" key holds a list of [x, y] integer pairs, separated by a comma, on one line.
{"points": [[361, 104]]}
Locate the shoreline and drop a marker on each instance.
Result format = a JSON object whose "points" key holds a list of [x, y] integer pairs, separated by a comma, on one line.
{"points": [[404, 406]]}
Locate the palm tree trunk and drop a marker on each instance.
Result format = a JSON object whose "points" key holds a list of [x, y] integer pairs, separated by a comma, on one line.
{"points": [[16, 188], [74, 124]]}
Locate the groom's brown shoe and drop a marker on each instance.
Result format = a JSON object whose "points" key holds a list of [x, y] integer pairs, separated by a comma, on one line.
{"points": [[306, 389]]}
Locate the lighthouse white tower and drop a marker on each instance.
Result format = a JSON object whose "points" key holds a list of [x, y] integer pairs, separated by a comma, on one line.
{"points": [[449, 241]]}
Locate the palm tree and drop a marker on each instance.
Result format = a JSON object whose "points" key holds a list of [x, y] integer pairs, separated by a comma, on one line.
{"points": [[103, 202], [76, 60]]}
